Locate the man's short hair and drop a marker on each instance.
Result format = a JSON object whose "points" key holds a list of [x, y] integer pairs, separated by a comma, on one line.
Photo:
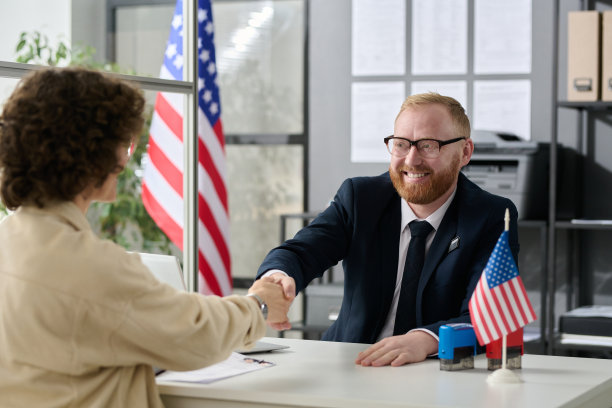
{"points": [[60, 131], [458, 115]]}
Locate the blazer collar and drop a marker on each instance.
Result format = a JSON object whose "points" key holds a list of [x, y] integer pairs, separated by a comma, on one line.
{"points": [[67, 211]]}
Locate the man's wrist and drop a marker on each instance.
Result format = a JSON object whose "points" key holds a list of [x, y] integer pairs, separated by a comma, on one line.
{"points": [[433, 352], [262, 305]]}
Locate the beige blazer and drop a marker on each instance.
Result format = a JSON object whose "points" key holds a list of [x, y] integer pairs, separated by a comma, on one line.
{"points": [[82, 321]]}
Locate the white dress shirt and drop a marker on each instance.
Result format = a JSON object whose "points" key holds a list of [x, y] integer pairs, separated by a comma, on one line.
{"points": [[404, 240]]}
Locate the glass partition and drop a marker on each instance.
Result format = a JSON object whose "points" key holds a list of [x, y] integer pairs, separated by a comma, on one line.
{"points": [[265, 181], [126, 221], [260, 59], [260, 54]]}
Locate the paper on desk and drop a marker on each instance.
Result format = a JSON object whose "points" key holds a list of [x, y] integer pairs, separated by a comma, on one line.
{"points": [[236, 364]]}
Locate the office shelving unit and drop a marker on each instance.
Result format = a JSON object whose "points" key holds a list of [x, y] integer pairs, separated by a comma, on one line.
{"points": [[574, 281], [542, 227]]}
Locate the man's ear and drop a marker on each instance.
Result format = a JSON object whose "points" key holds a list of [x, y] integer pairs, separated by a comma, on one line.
{"points": [[466, 153]]}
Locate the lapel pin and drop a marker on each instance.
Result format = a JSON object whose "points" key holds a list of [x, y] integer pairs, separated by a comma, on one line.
{"points": [[453, 245]]}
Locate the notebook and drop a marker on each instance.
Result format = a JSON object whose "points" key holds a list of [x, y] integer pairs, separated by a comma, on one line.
{"points": [[263, 347], [166, 268]]}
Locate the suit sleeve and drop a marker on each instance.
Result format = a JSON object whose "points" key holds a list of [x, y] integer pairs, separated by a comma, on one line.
{"points": [[320, 245]]}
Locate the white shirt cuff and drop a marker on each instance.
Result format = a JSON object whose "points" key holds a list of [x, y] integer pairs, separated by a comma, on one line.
{"points": [[272, 271], [432, 334]]}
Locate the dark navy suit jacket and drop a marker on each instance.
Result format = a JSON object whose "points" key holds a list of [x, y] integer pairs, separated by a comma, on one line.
{"points": [[361, 227]]}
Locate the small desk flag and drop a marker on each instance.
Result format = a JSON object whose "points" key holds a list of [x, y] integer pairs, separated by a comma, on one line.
{"points": [[499, 304]]}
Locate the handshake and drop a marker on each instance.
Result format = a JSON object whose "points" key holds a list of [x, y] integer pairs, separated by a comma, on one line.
{"points": [[278, 291]]}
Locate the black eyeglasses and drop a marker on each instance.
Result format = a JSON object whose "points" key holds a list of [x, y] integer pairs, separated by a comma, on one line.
{"points": [[428, 148]]}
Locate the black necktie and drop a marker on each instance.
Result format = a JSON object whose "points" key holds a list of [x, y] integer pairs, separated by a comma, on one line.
{"points": [[405, 317]]}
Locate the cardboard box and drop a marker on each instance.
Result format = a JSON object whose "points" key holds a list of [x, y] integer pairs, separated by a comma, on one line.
{"points": [[606, 56], [583, 55]]}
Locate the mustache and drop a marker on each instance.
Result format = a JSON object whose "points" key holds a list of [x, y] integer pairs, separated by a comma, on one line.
{"points": [[420, 169]]}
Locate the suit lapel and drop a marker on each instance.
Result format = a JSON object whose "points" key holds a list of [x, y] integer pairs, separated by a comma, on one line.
{"points": [[390, 224]]}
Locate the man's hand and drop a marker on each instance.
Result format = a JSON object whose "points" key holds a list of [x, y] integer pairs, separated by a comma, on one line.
{"points": [[278, 305], [407, 348], [288, 285], [280, 292]]}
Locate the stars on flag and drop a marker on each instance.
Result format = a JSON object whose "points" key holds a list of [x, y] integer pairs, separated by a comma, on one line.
{"points": [[207, 96], [214, 108], [178, 62], [202, 15], [211, 68], [177, 21], [171, 50], [207, 73], [209, 28], [204, 55], [501, 267]]}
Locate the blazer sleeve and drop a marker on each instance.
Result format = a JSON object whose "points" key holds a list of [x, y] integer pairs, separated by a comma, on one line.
{"points": [[320, 245]]}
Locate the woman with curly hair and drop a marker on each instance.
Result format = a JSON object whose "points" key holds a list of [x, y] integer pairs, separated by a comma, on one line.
{"points": [[82, 322]]}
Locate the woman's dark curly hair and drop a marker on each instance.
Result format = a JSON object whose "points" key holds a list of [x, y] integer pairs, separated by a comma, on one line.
{"points": [[60, 131]]}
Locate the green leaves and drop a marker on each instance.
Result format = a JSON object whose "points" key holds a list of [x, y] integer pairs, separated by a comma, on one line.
{"points": [[34, 48], [124, 221]]}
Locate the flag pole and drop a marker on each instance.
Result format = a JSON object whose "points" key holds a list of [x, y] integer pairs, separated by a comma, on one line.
{"points": [[504, 340], [504, 375]]}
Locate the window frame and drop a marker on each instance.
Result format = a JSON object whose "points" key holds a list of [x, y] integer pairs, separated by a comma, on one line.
{"points": [[188, 88], [232, 138]]}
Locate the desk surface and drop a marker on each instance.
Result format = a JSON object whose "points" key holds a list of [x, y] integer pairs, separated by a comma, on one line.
{"points": [[323, 374]]}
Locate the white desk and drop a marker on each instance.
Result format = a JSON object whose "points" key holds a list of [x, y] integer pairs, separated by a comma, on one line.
{"points": [[323, 374]]}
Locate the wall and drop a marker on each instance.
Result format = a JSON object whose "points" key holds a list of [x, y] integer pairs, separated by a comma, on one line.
{"points": [[330, 86], [51, 18], [78, 21], [88, 25]]}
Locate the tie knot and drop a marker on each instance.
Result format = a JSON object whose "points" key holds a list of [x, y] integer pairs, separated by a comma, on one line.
{"points": [[420, 229]]}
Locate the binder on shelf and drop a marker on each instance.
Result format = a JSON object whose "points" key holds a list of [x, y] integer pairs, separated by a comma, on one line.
{"points": [[606, 56], [583, 55]]}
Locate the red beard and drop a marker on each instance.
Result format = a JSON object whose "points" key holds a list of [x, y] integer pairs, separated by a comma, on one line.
{"points": [[439, 183]]}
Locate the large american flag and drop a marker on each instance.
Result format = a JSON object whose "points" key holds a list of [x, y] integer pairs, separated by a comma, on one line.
{"points": [[162, 189], [499, 304]]}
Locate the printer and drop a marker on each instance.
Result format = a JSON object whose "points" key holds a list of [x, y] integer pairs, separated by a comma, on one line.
{"points": [[505, 165]]}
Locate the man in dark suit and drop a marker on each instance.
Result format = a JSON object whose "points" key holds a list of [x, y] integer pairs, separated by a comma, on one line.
{"points": [[369, 227]]}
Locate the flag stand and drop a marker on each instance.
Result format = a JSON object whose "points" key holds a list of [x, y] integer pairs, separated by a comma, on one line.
{"points": [[504, 375]]}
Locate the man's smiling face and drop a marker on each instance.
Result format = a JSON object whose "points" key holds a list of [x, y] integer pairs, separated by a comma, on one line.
{"points": [[422, 180]]}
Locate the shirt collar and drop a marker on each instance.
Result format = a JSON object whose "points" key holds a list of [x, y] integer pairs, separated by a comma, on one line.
{"points": [[435, 218]]}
